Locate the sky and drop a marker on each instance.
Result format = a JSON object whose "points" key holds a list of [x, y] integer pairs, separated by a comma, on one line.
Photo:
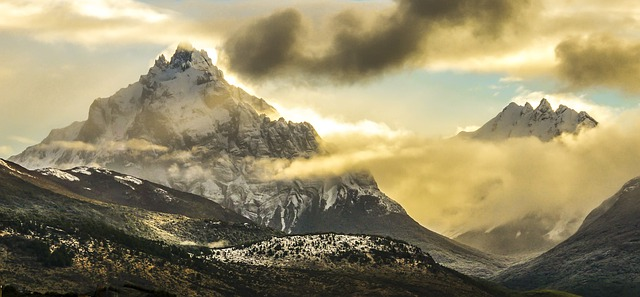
{"points": [[385, 81]]}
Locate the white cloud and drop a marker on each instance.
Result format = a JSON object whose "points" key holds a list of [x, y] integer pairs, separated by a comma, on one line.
{"points": [[600, 113], [329, 126], [119, 9], [139, 145], [467, 129]]}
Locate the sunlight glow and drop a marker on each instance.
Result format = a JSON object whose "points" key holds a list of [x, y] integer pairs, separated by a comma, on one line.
{"points": [[326, 126], [577, 102], [110, 9]]}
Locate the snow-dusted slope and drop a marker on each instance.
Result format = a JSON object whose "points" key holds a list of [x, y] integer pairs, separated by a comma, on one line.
{"points": [[542, 122], [323, 249], [55, 239], [182, 125]]}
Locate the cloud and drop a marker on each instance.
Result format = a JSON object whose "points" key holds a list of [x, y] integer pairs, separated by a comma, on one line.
{"points": [[266, 46], [136, 145], [70, 145], [139, 145], [89, 22], [341, 41], [601, 113], [22, 139], [356, 46], [600, 61], [456, 185], [467, 129], [328, 127], [5, 150]]}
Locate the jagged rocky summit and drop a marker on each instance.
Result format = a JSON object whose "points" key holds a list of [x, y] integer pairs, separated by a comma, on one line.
{"points": [[542, 122], [184, 126]]}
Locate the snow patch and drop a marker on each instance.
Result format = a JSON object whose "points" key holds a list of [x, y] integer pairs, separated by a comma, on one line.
{"points": [[128, 178], [330, 197], [58, 173], [164, 194], [81, 170], [14, 171], [103, 171]]}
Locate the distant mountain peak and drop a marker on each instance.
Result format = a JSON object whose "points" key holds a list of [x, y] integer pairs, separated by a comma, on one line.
{"points": [[544, 106], [542, 122]]}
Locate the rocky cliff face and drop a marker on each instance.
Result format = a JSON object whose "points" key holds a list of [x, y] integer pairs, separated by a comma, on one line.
{"points": [[182, 125]]}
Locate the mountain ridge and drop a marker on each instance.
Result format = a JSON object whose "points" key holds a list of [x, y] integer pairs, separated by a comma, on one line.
{"points": [[542, 122], [183, 126], [53, 239]]}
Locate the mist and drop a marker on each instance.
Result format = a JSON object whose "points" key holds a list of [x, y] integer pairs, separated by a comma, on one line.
{"points": [[456, 185]]}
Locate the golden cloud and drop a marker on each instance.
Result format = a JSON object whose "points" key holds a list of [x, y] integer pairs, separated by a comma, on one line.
{"points": [[456, 185]]}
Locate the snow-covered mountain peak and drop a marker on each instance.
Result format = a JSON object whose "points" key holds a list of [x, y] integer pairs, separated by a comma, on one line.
{"points": [[542, 122], [186, 56], [186, 62]]}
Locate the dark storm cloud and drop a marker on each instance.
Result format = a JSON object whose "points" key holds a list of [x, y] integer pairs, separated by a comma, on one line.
{"points": [[267, 45], [600, 61], [358, 49]]}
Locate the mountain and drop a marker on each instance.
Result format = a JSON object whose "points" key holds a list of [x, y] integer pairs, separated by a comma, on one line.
{"points": [[600, 259], [521, 238], [139, 207], [109, 186], [53, 239], [536, 232], [542, 122], [184, 126]]}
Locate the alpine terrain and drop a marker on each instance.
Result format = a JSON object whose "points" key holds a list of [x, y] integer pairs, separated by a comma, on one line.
{"points": [[57, 235], [182, 125], [535, 232], [601, 259]]}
